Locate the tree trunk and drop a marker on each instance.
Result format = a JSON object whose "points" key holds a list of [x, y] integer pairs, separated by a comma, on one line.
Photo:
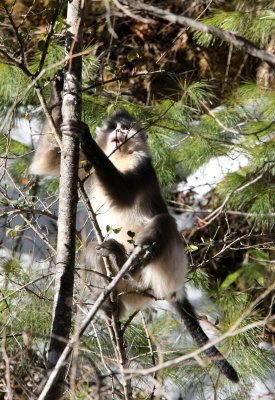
{"points": [[71, 109]]}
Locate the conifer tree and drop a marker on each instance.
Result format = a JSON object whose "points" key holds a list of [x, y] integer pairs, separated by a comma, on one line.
{"points": [[224, 107]]}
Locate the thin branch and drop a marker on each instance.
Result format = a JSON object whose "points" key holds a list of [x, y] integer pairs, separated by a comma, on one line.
{"points": [[49, 36], [7, 371], [153, 358], [122, 78], [210, 218], [212, 114], [25, 286], [18, 37], [37, 231], [14, 61], [30, 211]]}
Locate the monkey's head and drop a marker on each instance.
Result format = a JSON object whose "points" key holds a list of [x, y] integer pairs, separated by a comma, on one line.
{"points": [[121, 133]]}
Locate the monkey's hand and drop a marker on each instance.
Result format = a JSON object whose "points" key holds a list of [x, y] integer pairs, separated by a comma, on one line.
{"points": [[113, 249], [58, 83], [76, 129]]}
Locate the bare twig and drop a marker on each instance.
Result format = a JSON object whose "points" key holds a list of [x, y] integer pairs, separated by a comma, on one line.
{"points": [[37, 231], [122, 78], [17, 34], [153, 358], [210, 218]]}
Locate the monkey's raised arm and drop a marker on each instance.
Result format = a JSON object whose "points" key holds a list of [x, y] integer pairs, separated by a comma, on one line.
{"points": [[119, 186]]}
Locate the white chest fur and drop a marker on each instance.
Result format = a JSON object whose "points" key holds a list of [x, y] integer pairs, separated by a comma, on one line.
{"points": [[115, 221]]}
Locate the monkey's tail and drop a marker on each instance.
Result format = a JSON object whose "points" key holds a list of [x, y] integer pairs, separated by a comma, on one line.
{"points": [[187, 313]]}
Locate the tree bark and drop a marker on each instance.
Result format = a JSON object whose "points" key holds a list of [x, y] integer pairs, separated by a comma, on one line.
{"points": [[71, 109]]}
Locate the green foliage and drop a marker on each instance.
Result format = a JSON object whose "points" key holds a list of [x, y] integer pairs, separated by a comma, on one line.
{"points": [[257, 27], [11, 267], [13, 147], [255, 271], [54, 60], [255, 198], [199, 279], [12, 84], [194, 93], [32, 314]]}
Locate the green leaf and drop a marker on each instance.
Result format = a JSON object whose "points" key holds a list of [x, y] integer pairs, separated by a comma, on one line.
{"points": [[131, 234], [133, 55], [108, 228], [231, 278], [192, 248]]}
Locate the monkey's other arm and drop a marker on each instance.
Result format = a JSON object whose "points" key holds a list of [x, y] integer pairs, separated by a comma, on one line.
{"points": [[46, 160]]}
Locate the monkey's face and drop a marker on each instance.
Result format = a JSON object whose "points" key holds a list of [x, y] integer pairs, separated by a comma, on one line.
{"points": [[121, 133]]}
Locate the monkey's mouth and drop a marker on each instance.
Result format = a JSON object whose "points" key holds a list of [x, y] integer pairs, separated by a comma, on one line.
{"points": [[118, 139]]}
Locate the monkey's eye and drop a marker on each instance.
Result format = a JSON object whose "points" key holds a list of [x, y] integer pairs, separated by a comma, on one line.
{"points": [[111, 126], [124, 127]]}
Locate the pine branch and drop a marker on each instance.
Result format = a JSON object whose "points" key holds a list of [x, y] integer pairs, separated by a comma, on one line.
{"points": [[229, 37]]}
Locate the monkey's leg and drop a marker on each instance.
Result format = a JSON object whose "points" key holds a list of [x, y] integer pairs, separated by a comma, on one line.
{"points": [[187, 313]]}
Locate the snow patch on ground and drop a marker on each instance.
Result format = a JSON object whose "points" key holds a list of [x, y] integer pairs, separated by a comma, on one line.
{"points": [[205, 178]]}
